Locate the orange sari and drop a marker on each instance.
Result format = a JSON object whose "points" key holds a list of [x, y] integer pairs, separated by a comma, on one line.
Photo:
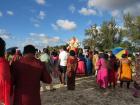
{"points": [[125, 72]]}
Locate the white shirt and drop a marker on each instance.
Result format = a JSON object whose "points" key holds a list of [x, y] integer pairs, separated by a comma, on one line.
{"points": [[63, 56]]}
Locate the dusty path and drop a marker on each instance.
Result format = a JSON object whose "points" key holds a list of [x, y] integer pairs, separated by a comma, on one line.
{"points": [[88, 93]]}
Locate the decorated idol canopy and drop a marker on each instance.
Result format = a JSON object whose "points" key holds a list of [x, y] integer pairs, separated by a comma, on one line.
{"points": [[73, 44], [118, 51]]}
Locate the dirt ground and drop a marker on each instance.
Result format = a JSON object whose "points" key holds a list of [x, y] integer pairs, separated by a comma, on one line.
{"points": [[88, 93]]}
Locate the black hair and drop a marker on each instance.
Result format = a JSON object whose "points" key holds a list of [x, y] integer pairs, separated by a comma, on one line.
{"points": [[106, 56], [2, 47], [112, 56], [124, 56], [46, 50], [72, 53], [54, 53], [64, 48], [96, 52], [29, 49]]}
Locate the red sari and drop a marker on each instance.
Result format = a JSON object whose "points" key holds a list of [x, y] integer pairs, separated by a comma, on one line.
{"points": [[112, 74], [5, 82], [27, 74], [71, 72]]}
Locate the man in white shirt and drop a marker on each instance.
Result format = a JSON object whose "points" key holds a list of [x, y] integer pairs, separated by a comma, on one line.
{"points": [[63, 64]]}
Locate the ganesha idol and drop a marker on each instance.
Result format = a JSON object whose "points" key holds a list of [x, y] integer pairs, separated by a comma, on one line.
{"points": [[73, 44]]}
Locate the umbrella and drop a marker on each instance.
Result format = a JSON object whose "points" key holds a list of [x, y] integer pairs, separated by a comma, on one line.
{"points": [[119, 55], [11, 49], [119, 51]]}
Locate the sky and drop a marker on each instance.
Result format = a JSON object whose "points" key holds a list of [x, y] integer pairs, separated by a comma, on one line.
{"points": [[55, 22]]}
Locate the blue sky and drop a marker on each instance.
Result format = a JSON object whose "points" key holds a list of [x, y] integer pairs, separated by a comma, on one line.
{"points": [[54, 22]]}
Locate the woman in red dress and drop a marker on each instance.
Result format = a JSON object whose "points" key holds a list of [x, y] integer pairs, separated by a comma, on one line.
{"points": [[71, 70], [5, 77], [112, 72]]}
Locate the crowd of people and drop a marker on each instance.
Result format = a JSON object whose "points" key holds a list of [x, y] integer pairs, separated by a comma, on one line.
{"points": [[20, 74]]}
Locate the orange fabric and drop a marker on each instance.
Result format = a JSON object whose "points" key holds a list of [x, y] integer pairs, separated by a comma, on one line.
{"points": [[125, 72]]}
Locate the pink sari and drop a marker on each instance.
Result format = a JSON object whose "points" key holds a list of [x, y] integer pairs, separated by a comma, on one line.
{"points": [[102, 75], [81, 67]]}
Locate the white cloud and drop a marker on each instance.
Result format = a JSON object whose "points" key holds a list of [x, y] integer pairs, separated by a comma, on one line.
{"points": [[115, 13], [41, 40], [38, 19], [34, 20], [72, 8], [4, 34], [131, 6], [87, 12], [41, 2], [11, 13], [1, 14], [54, 26], [42, 15], [65, 24], [36, 25]]}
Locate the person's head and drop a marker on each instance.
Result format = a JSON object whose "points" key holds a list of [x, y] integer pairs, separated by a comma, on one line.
{"points": [[95, 52], [112, 56], [2, 47], [72, 53], [45, 50], [101, 55], [54, 53], [124, 56], [64, 48], [106, 56], [29, 49]]}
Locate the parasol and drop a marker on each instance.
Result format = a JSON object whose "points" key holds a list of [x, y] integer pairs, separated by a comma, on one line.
{"points": [[119, 51]]}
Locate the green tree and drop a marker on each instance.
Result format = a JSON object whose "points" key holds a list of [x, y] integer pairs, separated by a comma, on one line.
{"points": [[91, 37], [103, 38], [108, 30], [132, 25]]}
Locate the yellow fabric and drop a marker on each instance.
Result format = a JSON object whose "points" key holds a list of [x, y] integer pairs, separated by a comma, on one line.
{"points": [[125, 72], [94, 60], [119, 55]]}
